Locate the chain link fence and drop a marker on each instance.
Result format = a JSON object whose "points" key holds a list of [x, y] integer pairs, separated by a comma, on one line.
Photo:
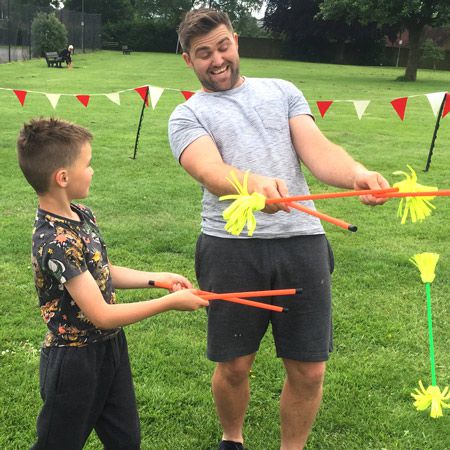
{"points": [[84, 30]]}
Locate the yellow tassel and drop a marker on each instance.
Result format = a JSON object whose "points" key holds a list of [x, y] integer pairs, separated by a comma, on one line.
{"points": [[240, 212], [426, 263], [432, 396], [418, 207]]}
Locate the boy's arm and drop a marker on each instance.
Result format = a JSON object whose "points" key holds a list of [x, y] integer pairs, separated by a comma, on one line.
{"points": [[125, 278], [86, 294]]}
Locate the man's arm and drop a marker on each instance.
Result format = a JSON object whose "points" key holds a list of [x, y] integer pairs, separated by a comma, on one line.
{"points": [[202, 160], [330, 163]]}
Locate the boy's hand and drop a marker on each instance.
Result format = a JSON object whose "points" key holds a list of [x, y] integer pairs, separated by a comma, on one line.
{"points": [[186, 300], [177, 282]]}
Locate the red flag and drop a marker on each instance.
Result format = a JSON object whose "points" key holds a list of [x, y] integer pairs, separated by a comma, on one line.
{"points": [[187, 94], [142, 91], [446, 109], [20, 95], [399, 104], [323, 107], [84, 99]]}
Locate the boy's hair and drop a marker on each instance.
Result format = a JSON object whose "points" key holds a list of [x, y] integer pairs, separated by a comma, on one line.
{"points": [[45, 145], [199, 22]]}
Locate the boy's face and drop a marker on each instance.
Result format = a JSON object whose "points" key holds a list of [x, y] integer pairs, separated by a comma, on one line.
{"points": [[80, 173], [215, 60]]}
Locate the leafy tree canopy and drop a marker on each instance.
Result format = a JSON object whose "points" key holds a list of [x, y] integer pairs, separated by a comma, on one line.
{"points": [[412, 15]]}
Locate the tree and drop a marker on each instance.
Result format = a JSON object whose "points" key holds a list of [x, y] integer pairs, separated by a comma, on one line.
{"points": [[431, 53], [312, 38], [48, 34], [411, 15], [112, 11], [234, 8]]}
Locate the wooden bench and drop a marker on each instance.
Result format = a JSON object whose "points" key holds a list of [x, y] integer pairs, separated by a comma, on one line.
{"points": [[53, 59], [126, 50], [110, 45]]}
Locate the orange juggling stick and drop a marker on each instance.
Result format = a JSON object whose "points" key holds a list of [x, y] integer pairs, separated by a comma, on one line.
{"points": [[325, 195], [211, 295], [441, 193], [233, 296], [327, 218]]}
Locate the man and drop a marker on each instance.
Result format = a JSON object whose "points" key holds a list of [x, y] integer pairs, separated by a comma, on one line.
{"points": [[265, 126]]}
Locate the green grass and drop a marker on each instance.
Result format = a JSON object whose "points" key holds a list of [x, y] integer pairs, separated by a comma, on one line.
{"points": [[149, 210]]}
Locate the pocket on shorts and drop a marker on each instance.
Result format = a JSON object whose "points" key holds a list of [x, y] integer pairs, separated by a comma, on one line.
{"points": [[75, 372], [330, 256]]}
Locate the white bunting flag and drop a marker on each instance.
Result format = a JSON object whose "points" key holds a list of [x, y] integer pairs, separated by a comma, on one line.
{"points": [[53, 99], [360, 107], [155, 94], [114, 97], [435, 100]]}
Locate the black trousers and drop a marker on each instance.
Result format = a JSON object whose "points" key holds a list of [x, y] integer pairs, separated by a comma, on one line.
{"points": [[86, 388]]}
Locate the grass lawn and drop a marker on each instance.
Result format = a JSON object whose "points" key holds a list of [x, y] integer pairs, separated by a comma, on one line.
{"points": [[149, 211]]}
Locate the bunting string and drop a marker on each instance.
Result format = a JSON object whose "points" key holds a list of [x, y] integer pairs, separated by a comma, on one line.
{"points": [[155, 92]]}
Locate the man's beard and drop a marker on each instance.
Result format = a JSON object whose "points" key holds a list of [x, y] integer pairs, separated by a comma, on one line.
{"points": [[213, 86]]}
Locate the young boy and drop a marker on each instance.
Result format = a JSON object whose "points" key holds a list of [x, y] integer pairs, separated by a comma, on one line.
{"points": [[85, 376]]}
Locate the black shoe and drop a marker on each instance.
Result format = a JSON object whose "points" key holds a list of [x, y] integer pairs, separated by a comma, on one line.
{"points": [[230, 445]]}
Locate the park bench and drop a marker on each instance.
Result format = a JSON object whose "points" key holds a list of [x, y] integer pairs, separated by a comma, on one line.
{"points": [[110, 45], [53, 59], [126, 50]]}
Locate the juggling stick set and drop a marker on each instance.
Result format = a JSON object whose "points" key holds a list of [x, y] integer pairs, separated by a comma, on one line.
{"points": [[415, 201]]}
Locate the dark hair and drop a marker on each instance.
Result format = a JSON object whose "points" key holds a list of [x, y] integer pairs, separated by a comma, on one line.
{"points": [[199, 22], [45, 145]]}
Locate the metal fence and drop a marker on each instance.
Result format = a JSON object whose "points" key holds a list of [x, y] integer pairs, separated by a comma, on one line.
{"points": [[84, 30]]}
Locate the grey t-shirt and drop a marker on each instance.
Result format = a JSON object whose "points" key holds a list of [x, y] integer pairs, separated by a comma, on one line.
{"points": [[250, 127]]}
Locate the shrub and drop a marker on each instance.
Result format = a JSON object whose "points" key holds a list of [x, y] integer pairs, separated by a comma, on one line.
{"points": [[48, 34]]}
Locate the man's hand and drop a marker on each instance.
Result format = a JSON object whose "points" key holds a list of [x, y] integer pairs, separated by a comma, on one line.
{"points": [[270, 188], [367, 179]]}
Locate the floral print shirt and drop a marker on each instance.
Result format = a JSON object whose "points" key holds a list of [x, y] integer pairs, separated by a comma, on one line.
{"points": [[62, 249]]}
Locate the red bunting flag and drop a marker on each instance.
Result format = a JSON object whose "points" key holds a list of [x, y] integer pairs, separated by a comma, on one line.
{"points": [[399, 104], [323, 107], [20, 95], [446, 109], [83, 99], [143, 92], [187, 94]]}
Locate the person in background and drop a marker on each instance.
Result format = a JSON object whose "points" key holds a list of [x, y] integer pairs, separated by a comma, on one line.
{"points": [[66, 55]]}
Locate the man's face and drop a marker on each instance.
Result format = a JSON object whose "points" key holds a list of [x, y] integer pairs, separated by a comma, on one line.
{"points": [[215, 59]]}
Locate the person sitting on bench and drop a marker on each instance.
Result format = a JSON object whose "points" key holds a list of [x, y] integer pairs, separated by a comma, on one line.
{"points": [[66, 55]]}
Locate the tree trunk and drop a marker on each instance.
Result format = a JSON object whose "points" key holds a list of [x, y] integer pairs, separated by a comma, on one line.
{"points": [[415, 39]]}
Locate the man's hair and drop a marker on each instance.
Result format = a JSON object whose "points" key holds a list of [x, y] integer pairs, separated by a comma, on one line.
{"points": [[45, 145], [199, 22]]}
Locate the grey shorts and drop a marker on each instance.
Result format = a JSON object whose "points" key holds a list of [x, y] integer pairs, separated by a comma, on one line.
{"points": [[304, 333]]}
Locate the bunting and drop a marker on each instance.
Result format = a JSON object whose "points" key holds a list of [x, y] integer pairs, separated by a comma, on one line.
{"points": [[399, 104], [83, 99], [155, 93], [360, 107], [21, 95], [446, 106], [435, 100], [323, 106], [53, 99]]}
